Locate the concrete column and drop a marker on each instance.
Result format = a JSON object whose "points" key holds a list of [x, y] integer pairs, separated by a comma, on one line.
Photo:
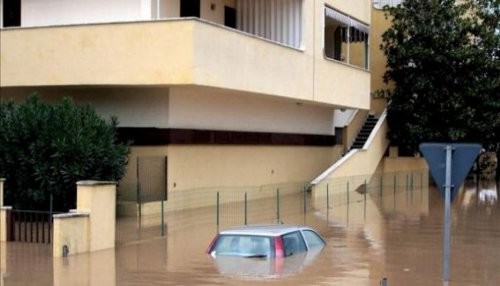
{"points": [[3, 215], [99, 200]]}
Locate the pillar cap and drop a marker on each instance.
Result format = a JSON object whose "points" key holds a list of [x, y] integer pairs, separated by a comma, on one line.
{"points": [[2, 179], [95, 183]]}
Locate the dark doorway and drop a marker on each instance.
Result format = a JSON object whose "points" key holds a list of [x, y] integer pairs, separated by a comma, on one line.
{"points": [[12, 13], [230, 17], [190, 8]]}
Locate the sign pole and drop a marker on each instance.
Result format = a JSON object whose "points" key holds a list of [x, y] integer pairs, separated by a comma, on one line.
{"points": [[447, 215], [449, 169]]}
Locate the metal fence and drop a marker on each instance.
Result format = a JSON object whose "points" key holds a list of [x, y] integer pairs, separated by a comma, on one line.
{"points": [[346, 198], [29, 226]]}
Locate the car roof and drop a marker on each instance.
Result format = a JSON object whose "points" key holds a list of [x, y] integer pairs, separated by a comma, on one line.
{"points": [[264, 229]]}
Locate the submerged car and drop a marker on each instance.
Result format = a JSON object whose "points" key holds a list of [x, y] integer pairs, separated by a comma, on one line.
{"points": [[265, 241]]}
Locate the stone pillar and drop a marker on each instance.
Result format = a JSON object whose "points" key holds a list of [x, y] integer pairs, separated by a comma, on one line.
{"points": [[99, 200], [3, 214]]}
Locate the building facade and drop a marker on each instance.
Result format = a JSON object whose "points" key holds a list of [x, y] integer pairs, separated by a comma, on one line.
{"points": [[222, 92]]}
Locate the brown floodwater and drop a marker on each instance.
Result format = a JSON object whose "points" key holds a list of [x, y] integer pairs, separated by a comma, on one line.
{"points": [[396, 235]]}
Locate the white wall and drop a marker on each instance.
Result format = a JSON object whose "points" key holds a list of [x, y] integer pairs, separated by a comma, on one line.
{"points": [[204, 108], [343, 117], [194, 107], [134, 107], [62, 12]]}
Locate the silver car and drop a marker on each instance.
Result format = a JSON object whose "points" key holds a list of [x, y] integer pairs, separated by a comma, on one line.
{"points": [[265, 241]]}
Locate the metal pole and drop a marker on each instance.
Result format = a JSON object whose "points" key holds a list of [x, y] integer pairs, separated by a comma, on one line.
{"points": [[394, 196], [447, 213], [305, 208], [364, 213], [217, 212], [278, 205], [327, 204], [327, 197], [347, 193], [245, 208], [162, 219], [382, 185], [347, 207]]}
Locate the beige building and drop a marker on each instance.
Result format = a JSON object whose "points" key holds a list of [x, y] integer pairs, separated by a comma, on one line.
{"points": [[223, 93]]}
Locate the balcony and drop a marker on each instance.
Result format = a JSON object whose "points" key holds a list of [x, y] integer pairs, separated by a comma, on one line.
{"points": [[185, 51]]}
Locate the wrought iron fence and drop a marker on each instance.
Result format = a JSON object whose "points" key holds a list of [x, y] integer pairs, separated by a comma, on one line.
{"points": [[29, 226]]}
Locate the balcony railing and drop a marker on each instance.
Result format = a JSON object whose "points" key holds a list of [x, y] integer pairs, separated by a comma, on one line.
{"points": [[379, 4]]}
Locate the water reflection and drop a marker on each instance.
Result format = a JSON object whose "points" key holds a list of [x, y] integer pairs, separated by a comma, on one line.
{"points": [[264, 268], [393, 234]]}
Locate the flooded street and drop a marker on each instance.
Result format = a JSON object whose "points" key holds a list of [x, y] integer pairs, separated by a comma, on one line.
{"points": [[397, 235]]}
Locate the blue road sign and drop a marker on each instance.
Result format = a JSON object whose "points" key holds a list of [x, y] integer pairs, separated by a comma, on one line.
{"points": [[463, 156], [449, 164]]}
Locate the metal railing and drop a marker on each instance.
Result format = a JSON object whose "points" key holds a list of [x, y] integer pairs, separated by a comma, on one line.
{"points": [[29, 226], [346, 198], [379, 4]]}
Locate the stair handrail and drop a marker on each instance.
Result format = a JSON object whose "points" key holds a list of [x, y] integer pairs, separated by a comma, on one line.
{"points": [[373, 133]]}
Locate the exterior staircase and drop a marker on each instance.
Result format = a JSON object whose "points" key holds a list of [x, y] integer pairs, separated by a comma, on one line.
{"points": [[365, 132]]}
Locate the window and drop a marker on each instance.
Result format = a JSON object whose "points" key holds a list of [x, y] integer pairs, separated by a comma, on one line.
{"points": [[293, 243], [230, 17], [346, 39], [190, 8], [278, 20], [11, 13], [312, 239]]}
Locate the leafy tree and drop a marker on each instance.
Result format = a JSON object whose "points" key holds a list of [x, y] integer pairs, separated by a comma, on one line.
{"points": [[442, 56], [46, 148]]}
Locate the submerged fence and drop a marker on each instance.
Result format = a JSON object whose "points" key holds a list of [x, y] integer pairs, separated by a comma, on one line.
{"points": [[29, 226], [345, 198]]}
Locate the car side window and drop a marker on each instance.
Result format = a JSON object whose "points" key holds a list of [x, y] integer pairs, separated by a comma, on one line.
{"points": [[293, 243], [313, 240]]}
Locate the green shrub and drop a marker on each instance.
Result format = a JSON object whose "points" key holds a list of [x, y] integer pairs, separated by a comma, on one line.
{"points": [[46, 148]]}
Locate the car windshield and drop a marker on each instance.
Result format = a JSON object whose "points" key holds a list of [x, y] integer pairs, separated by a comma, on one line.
{"points": [[242, 245]]}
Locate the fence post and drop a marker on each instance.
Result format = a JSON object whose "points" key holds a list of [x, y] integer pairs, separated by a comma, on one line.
{"points": [[411, 182], [366, 190], [327, 197], [246, 208], [394, 196], [327, 204], [162, 219], [348, 193], [278, 205], [394, 185], [217, 212], [50, 217], [381, 185], [305, 198]]}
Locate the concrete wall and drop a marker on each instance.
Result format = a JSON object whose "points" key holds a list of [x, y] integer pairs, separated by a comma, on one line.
{"points": [[71, 231], [98, 269], [183, 52], [91, 226], [192, 167], [358, 164], [204, 108], [194, 107]]}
